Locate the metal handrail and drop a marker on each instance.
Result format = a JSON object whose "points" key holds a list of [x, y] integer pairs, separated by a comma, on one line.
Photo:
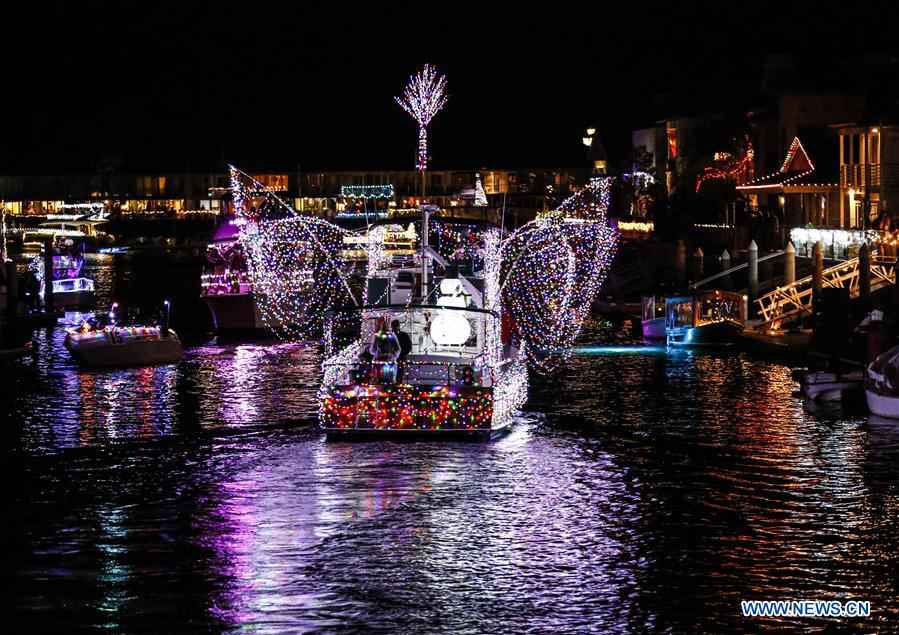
{"points": [[447, 365], [735, 268]]}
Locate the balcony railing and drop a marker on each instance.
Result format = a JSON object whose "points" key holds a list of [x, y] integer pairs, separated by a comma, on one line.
{"points": [[862, 175]]}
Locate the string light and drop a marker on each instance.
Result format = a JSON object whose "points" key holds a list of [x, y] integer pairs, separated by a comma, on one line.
{"points": [[553, 268], [367, 191], [480, 196], [293, 261], [739, 171], [424, 97]]}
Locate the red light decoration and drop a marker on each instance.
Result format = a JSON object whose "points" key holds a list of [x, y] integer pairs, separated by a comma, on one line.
{"points": [[739, 170], [403, 407]]}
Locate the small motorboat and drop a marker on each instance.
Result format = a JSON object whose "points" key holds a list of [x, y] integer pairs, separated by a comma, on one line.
{"points": [[829, 385], [123, 345], [882, 384]]}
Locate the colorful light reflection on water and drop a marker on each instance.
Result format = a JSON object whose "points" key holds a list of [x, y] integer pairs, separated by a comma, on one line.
{"points": [[656, 492]]}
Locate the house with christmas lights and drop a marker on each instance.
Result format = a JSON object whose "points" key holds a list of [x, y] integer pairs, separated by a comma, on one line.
{"points": [[804, 191]]}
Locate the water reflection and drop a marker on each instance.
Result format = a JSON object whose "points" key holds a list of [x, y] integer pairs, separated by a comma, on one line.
{"points": [[658, 490]]}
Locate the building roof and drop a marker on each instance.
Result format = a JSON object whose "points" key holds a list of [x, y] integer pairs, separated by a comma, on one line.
{"points": [[799, 168]]}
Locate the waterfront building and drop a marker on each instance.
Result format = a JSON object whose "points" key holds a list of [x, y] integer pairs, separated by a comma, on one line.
{"points": [[803, 190], [522, 192]]}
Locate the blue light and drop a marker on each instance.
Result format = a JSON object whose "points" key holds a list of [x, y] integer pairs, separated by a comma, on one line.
{"points": [[636, 349]]}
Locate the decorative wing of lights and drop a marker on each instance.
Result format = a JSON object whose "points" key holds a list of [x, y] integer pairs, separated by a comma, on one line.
{"points": [[293, 260], [552, 271]]}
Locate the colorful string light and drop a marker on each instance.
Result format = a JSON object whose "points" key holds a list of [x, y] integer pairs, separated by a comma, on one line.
{"points": [[553, 268], [293, 261], [424, 97], [480, 196]]}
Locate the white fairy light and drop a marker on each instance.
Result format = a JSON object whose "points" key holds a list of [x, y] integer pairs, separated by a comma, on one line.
{"points": [[424, 97]]}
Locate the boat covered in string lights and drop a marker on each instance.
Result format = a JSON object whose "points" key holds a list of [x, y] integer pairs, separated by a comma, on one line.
{"points": [[433, 357], [119, 346], [226, 284], [445, 335]]}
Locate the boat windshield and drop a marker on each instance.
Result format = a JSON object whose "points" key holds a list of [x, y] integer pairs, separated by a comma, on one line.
{"points": [[719, 307]]}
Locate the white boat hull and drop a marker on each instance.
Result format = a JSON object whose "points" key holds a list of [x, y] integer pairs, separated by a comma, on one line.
{"points": [[135, 353], [882, 405], [830, 386]]}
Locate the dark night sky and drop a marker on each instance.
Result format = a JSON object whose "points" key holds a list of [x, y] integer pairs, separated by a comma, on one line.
{"points": [[188, 85]]}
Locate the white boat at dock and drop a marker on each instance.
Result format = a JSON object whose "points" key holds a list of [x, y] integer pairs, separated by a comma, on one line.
{"points": [[882, 384], [830, 385]]}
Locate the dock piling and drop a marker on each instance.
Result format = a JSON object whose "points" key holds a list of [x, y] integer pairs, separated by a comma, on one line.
{"points": [[48, 275], [753, 252], [789, 264], [818, 261], [864, 273]]}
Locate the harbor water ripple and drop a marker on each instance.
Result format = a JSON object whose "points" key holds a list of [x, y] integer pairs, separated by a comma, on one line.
{"points": [[643, 491]]}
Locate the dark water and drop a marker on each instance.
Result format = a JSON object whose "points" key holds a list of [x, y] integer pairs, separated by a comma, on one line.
{"points": [[645, 492]]}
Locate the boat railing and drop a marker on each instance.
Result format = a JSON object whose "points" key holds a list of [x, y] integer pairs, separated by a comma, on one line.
{"points": [[424, 373]]}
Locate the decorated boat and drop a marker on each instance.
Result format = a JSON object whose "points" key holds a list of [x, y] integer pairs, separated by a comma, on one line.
{"points": [[109, 346], [225, 284], [71, 289], [432, 357], [710, 318], [446, 333]]}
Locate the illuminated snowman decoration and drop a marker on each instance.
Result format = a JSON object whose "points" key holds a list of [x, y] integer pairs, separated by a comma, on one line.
{"points": [[450, 328]]}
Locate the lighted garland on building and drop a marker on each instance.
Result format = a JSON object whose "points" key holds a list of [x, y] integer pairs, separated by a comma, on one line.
{"points": [[367, 191], [424, 97], [740, 171]]}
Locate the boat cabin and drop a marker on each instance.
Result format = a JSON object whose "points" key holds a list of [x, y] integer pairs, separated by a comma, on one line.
{"points": [[712, 317]]}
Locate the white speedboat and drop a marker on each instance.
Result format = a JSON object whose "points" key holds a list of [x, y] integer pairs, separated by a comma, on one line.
{"points": [[830, 386], [882, 384], [123, 345]]}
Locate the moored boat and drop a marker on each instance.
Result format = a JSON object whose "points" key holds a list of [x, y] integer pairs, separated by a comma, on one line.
{"points": [[882, 384], [653, 317], [710, 318], [829, 385]]}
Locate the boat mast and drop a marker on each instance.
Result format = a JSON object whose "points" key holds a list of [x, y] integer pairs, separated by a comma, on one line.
{"points": [[425, 214]]}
